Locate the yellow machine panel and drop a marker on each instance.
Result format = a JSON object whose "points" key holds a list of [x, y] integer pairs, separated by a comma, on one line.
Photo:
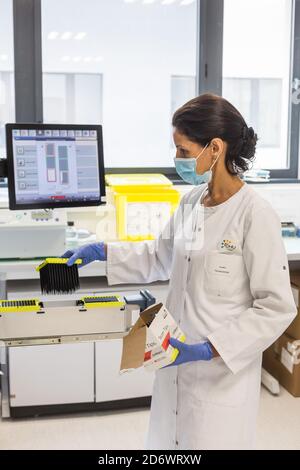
{"points": [[28, 305], [102, 301]]}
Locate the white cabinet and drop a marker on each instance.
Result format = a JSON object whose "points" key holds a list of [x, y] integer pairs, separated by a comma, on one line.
{"points": [[110, 385], [51, 374], [73, 373]]}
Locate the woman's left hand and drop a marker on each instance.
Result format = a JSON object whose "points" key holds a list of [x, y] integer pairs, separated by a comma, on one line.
{"points": [[191, 352]]}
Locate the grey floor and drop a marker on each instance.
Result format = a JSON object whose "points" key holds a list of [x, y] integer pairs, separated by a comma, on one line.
{"points": [[278, 428]]}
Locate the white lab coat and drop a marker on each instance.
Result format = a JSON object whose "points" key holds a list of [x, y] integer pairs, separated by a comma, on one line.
{"points": [[238, 297]]}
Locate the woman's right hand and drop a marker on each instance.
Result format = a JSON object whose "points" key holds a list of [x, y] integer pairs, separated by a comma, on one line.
{"points": [[87, 253]]}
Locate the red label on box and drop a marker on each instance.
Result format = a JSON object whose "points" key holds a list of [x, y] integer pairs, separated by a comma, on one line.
{"points": [[166, 341], [147, 355]]}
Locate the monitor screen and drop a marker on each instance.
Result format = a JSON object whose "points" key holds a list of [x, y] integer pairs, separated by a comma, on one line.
{"points": [[53, 166]]}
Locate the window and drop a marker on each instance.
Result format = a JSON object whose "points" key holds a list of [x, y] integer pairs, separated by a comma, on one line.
{"points": [[126, 53], [182, 90], [260, 102], [7, 96], [129, 64], [256, 72], [72, 98]]}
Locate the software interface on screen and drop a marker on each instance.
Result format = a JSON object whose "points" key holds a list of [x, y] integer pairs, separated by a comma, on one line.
{"points": [[55, 165]]}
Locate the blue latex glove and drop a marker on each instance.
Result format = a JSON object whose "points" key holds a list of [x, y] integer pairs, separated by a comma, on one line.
{"points": [[191, 352], [88, 253]]}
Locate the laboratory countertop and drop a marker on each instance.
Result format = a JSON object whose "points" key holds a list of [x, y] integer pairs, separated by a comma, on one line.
{"points": [[25, 269], [292, 246]]}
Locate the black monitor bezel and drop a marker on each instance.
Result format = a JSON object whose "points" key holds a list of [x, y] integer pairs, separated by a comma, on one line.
{"points": [[49, 205]]}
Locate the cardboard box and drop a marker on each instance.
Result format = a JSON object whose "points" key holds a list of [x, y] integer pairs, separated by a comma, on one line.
{"points": [[282, 360], [147, 343], [294, 328]]}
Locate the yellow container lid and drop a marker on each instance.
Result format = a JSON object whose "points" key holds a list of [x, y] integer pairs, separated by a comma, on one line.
{"points": [[137, 179]]}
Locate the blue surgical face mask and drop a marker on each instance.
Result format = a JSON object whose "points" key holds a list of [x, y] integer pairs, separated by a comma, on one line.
{"points": [[186, 169]]}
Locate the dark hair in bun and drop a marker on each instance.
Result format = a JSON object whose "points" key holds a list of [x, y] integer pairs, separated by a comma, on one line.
{"points": [[209, 116]]}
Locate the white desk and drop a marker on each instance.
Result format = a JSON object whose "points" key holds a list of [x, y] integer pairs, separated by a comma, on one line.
{"points": [[292, 246], [25, 269], [24, 278]]}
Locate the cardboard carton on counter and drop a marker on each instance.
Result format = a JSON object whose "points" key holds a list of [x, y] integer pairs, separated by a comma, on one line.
{"points": [[294, 328], [282, 360], [147, 343]]}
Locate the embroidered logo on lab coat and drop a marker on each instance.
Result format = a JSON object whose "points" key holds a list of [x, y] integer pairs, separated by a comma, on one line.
{"points": [[227, 245]]}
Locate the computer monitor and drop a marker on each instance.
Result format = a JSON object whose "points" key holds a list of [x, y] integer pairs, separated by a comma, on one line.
{"points": [[51, 166]]}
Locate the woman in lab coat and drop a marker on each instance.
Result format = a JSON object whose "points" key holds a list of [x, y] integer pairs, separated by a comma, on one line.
{"points": [[229, 284]]}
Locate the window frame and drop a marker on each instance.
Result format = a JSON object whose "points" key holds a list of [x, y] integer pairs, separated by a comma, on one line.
{"points": [[292, 172], [210, 15]]}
